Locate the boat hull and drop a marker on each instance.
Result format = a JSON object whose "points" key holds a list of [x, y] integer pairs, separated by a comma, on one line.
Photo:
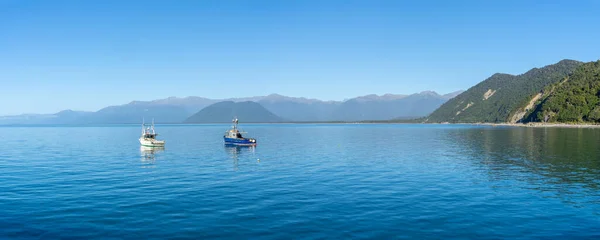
{"points": [[239, 141], [151, 143]]}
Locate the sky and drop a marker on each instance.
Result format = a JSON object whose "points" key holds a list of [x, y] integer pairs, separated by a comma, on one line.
{"points": [[85, 55]]}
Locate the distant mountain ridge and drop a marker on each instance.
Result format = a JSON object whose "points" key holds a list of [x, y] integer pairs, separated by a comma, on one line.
{"points": [[386, 107], [224, 112], [62, 117], [176, 110]]}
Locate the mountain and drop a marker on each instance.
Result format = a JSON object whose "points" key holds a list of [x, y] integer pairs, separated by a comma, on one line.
{"points": [[26, 119], [501, 97], [69, 116], [299, 109], [574, 100], [279, 98], [388, 107], [63, 117], [168, 110], [369, 107], [176, 110], [190, 104], [135, 112], [452, 95], [224, 112], [296, 111], [375, 97]]}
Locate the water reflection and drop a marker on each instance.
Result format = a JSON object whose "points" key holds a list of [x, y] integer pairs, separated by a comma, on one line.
{"points": [[560, 161], [235, 152], [149, 154]]}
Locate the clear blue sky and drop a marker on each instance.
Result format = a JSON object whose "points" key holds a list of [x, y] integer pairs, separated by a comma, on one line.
{"points": [[85, 55]]}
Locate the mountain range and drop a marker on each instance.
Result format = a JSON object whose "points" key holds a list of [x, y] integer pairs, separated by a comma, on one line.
{"points": [[282, 108], [566, 91]]}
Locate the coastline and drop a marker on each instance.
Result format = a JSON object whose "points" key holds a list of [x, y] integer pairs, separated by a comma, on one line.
{"points": [[531, 125], [542, 125]]}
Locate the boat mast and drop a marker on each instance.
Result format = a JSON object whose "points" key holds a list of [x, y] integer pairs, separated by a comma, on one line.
{"points": [[153, 132], [235, 123]]}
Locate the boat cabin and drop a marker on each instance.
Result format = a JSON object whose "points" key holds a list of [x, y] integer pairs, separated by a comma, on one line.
{"points": [[149, 133], [233, 133]]}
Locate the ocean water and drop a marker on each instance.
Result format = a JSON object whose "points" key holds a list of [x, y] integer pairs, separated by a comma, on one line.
{"points": [[305, 181]]}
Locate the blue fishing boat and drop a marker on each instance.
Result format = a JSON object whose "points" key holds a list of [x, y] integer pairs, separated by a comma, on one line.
{"points": [[233, 136]]}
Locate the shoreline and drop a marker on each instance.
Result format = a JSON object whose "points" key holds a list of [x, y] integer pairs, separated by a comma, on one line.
{"points": [[542, 125], [530, 125]]}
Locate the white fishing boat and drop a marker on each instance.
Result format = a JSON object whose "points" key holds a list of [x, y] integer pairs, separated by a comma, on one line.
{"points": [[148, 138]]}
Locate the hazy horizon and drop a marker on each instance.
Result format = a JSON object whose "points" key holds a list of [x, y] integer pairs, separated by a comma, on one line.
{"points": [[242, 97], [84, 55]]}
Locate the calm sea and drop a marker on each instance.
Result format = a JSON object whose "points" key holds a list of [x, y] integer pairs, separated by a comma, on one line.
{"points": [[300, 182]]}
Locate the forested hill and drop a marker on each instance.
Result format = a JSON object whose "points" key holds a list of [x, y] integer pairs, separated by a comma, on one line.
{"points": [[501, 96], [574, 100]]}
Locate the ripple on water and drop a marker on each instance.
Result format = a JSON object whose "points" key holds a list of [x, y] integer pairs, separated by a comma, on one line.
{"points": [[332, 181]]}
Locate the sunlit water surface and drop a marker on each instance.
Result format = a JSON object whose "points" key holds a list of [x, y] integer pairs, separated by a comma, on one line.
{"points": [[301, 181]]}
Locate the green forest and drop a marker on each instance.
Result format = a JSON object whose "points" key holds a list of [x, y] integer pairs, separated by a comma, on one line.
{"points": [[576, 100], [500, 96]]}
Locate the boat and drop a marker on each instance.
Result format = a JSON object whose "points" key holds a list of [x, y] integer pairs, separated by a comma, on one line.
{"points": [[233, 136], [148, 138]]}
